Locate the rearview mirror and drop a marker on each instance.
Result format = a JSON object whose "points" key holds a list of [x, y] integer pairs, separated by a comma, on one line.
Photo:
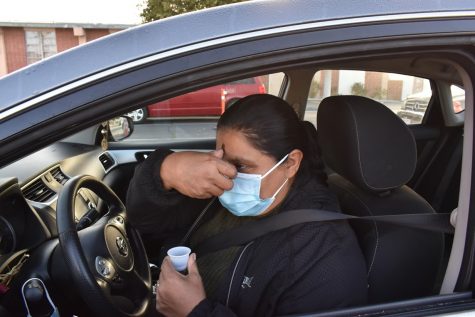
{"points": [[120, 128]]}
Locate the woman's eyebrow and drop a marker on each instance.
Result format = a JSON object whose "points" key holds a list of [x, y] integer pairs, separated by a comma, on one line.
{"points": [[240, 161], [236, 160]]}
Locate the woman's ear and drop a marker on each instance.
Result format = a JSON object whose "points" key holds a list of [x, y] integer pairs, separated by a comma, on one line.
{"points": [[292, 163]]}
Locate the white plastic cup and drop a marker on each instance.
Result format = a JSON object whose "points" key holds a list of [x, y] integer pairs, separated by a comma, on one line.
{"points": [[179, 257]]}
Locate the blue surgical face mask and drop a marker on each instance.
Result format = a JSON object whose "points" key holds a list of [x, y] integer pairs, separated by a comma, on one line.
{"points": [[244, 198]]}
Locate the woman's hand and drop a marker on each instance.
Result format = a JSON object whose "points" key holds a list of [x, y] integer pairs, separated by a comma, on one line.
{"points": [[178, 294], [197, 174]]}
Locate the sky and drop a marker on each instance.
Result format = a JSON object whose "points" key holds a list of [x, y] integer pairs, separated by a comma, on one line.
{"points": [[67, 11]]}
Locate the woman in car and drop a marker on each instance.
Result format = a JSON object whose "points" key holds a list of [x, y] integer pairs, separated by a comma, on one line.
{"points": [[266, 162]]}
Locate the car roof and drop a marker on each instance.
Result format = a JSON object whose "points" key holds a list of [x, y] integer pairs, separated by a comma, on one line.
{"points": [[175, 32]]}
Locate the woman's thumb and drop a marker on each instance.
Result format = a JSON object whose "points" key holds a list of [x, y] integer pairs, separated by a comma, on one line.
{"points": [[192, 267], [218, 153]]}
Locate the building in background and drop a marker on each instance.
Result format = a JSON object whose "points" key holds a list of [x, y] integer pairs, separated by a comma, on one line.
{"points": [[22, 44], [376, 85]]}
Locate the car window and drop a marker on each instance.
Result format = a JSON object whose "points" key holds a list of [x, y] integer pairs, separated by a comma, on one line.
{"points": [[458, 98], [407, 96], [194, 115]]}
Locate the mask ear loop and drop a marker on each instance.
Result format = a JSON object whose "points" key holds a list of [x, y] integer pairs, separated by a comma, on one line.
{"points": [[275, 166], [280, 188]]}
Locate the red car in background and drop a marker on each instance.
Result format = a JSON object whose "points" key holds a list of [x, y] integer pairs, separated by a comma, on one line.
{"points": [[211, 101]]}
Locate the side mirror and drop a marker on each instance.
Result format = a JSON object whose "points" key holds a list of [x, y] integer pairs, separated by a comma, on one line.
{"points": [[120, 128]]}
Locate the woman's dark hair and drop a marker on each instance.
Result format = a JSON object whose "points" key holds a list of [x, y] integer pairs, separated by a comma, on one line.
{"points": [[272, 126]]}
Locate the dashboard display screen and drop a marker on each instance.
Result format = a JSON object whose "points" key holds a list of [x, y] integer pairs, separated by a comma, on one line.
{"points": [[7, 237]]}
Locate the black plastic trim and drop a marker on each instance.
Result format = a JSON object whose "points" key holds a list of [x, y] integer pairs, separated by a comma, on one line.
{"points": [[416, 307]]}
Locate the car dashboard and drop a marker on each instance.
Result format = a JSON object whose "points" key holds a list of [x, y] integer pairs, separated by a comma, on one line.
{"points": [[20, 225], [29, 192]]}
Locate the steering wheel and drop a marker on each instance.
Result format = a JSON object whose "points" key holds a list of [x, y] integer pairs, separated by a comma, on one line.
{"points": [[107, 260]]}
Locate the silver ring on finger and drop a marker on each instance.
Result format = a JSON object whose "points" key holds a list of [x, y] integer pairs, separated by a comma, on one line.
{"points": [[155, 288]]}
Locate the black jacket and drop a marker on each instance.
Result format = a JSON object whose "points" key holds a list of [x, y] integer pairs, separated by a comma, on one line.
{"points": [[305, 268]]}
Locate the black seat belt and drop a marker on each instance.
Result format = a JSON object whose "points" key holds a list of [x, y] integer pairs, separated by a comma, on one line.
{"points": [[435, 154], [421, 166], [439, 222], [441, 191]]}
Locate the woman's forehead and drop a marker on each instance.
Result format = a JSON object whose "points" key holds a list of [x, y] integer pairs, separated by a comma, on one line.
{"points": [[237, 148], [233, 142]]}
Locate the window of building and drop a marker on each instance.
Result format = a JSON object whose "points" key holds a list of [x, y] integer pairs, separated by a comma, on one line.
{"points": [[39, 44]]}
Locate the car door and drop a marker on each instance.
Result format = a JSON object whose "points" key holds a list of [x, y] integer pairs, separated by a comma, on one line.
{"points": [[397, 42]]}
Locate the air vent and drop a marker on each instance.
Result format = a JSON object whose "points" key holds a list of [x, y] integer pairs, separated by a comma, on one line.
{"points": [[38, 191], [107, 161], [59, 176]]}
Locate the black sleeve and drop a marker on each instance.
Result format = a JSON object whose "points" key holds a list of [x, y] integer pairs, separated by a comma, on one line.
{"points": [[326, 271], [209, 308], [155, 212]]}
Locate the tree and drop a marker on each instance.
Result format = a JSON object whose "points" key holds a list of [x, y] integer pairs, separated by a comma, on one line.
{"points": [[158, 9], [314, 89], [358, 89]]}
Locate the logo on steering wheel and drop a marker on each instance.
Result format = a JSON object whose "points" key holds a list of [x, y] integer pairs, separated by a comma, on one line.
{"points": [[122, 246]]}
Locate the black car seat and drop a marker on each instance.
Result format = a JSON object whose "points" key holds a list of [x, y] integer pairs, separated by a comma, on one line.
{"points": [[373, 155]]}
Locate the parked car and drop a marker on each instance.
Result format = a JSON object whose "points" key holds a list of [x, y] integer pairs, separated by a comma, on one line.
{"points": [[415, 105], [417, 101], [211, 101], [411, 117], [60, 242]]}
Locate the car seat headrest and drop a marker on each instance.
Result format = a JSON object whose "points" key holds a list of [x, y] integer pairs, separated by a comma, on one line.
{"points": [[365, 142]]}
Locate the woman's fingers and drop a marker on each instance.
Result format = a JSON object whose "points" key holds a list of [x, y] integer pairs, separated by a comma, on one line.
{"points": [[167, 267], [216, 191], [226, 169], [178, 294], [196, 174]]}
